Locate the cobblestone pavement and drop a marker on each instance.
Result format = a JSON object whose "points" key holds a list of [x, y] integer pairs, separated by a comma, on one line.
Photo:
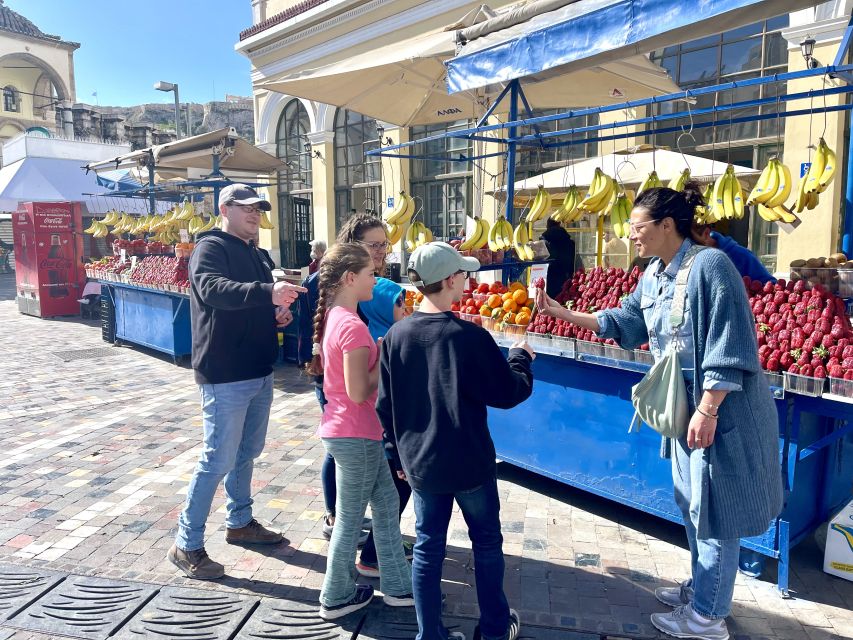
{"points": [[100, 443]]}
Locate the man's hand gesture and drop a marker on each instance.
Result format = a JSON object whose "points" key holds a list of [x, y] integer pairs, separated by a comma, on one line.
{"points": [[284, 294]]}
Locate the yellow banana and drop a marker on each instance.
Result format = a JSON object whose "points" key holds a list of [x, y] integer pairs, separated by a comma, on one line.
{"points": [[412, 236], [767, 184], [767, 213], [678, 182], [484, 233], [651, 182], [541, 205], [393, 232], [493, 237], [474, 239], [802, 197], [600, 193], [784, 214], [818, 165], [829, 169], [399, 211], [783, 188], [717, 205], [737, 197], [812, 199], [266, 223]]}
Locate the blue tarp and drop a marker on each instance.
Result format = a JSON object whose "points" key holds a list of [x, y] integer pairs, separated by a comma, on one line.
{"points": [[590, 32]]}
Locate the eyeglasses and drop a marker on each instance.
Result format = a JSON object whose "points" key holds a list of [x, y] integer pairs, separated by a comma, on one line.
{"points": [[376, 246], [633, 226], [464, 273], [248, 208]]}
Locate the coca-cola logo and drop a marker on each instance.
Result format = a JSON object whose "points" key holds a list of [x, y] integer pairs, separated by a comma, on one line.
{"points": [[53, 220], [55, 263]]}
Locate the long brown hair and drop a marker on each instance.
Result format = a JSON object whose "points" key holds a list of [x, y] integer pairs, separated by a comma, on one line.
{"points": [[337, 262], [356, 226]]}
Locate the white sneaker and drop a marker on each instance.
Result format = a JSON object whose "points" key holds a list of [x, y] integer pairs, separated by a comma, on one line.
{"points": [[675, 596], [684, 622]]}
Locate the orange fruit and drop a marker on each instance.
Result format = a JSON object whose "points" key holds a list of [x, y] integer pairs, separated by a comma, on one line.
{"points": [[498, 313], [520, 296], [515, 286], [485, 310], [494, 300], [510, 305], [506, 296], [522, 319], [510, 318]]}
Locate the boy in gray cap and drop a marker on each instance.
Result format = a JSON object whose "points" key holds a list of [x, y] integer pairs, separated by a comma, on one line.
{"points": [[438, 374]]}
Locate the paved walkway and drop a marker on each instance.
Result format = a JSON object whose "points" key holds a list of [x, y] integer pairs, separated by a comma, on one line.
{"points": [[100, 441]]}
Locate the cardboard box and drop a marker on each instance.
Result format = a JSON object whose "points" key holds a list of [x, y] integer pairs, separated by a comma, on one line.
{"points": [[838, 557]]}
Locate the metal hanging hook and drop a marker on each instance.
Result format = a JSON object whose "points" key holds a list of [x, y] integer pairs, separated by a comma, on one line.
{"points": [[619, 168]]}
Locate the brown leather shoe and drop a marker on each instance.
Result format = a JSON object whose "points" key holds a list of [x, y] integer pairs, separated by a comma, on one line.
{"points": [[253, 533], [196, 564]]}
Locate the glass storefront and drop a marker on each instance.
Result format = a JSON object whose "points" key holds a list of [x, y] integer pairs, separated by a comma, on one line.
{"points": [[442, 189], [532, 161], [294, 186], [358, 178]]}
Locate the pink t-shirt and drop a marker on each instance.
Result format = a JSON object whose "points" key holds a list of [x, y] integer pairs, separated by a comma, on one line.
{"points": [[343, 418]]}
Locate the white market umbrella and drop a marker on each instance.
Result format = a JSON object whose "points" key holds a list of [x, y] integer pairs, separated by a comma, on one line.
{"points": [[405, 84], [632, 170]]}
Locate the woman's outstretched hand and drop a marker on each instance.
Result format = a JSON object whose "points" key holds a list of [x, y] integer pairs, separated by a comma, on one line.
{"points": [[547, 306]]}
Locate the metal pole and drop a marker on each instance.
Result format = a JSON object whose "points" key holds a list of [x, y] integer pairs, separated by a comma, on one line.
{"points": [[177, 115], [510, 154], [847, 233], [152, 203]]}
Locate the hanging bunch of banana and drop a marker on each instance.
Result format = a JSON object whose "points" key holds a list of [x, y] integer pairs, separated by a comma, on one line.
{"points": [[500, 235], [418, 234], [770, 192], [97, 229], [185, 212], [395, 219], [541, 205], [703, 212], [111, 218], [568, 211], [521, 240], [678, 182], [601, 191], [266, 223], [820, 174], [479, 238], [651, 182], [727, 199], [620, 212]]}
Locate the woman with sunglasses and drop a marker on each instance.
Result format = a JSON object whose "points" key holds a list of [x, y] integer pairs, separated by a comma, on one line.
{"points": [[725, 470]]}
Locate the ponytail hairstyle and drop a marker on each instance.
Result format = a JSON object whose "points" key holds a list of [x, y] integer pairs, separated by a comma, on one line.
{"points": [[663, 202], [356, 226], [337, 262]]}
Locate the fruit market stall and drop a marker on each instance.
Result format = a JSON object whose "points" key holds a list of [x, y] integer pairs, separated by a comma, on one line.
{"points": [[575, 427], [145, 297]]}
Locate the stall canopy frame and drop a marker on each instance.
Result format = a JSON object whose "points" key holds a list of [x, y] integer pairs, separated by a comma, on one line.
{"points": [[488, 133]]}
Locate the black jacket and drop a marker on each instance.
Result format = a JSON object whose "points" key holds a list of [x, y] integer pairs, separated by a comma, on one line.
{"points": [[438, 374], [233, 317]]}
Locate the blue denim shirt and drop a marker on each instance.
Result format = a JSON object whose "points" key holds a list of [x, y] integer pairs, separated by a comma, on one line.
{"points": [[657, 287]]}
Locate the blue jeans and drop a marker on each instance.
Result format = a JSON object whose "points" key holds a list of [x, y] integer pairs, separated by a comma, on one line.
{"points": [[235, 418], [481, 510], [713, 562], [363, 477]]}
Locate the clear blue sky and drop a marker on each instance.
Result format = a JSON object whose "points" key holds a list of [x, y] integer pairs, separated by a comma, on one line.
{"points": [[125, 47]]}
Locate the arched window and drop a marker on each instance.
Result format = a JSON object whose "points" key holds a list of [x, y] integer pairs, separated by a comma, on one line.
{"points": [[294, 186], [11, 99], [358, 179]]}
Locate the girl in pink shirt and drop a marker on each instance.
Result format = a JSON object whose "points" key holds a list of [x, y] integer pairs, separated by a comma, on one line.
{"points": [[347, 357]]}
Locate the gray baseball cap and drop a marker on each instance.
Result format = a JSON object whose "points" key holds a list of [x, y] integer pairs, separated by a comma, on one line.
{"points": [[436, 261], [242, 194]]}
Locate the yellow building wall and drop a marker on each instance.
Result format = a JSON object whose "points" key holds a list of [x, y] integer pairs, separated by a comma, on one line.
{"points": [[24, 81]]}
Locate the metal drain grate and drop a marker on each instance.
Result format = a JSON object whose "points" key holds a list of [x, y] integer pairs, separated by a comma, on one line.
{"points": [[19, 586], [282, 619], [86, 354], [189, 613], [84, 607]]}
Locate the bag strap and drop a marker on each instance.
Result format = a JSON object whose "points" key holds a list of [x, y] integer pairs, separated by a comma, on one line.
{"points": [[679, 297]]}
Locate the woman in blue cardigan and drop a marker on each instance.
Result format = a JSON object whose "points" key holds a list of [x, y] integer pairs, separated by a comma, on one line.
{"points": [[726, 469]]}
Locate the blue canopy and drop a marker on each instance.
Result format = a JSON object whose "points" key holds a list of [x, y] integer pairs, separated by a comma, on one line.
{"points": [[587, 33]]}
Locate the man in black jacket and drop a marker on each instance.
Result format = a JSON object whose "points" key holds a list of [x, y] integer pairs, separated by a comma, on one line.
{"points": [[234, 309], [437, 376]]}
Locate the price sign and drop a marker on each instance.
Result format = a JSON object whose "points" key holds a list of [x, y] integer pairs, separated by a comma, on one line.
{"points": [[133, 260], [185, 235], [123, 256]]}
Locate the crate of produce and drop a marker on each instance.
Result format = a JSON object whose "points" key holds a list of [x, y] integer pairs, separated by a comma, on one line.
{"points": [[775, 379], [513, 330], [538, 339], [804, 385], [841, 387], [472, 317], [589, 348], [643, 356], [565, 345], [615, 352]]}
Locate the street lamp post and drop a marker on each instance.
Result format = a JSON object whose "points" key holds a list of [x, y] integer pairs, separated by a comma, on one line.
{"points": [[169, 86]]}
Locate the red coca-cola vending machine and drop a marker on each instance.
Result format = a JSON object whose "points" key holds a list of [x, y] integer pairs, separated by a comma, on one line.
{"points": [[48, 247]]}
